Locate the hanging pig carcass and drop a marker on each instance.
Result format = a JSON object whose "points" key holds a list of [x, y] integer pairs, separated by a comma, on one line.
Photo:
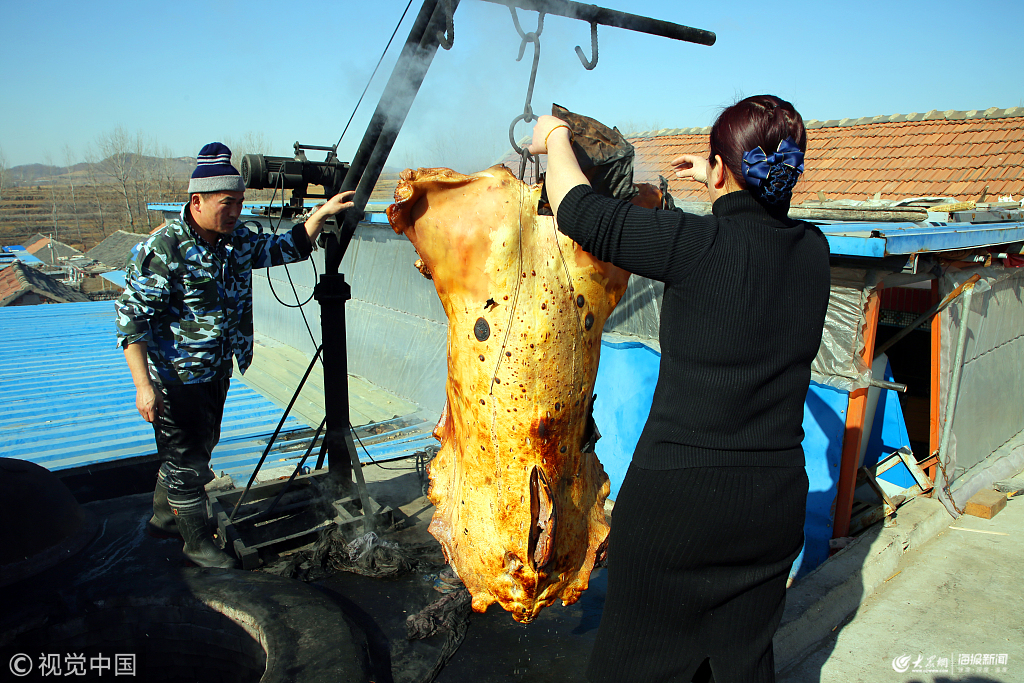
{"points": [[518, 490]]}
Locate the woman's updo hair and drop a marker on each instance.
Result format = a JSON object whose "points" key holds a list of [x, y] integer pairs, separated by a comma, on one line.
{"points": [[758, 121]]}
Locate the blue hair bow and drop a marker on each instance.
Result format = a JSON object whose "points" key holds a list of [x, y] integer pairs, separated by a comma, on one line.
{"points": [[772, 176]]}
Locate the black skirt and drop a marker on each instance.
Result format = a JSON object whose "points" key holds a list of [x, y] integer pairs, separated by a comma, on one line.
{"points": [[698, 560]]}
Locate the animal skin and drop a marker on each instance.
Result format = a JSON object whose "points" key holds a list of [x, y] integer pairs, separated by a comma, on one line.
{"points": [[519, 495]]}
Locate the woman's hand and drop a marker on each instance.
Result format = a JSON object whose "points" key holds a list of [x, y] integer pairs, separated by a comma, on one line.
{"points": [[691, 167], [545, 127]]}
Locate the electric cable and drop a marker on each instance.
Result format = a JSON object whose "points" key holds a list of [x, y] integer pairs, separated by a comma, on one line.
{"points": [[300, 305]]}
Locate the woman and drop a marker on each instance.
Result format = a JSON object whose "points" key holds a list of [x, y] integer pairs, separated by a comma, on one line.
{"points": [[710, 515]]}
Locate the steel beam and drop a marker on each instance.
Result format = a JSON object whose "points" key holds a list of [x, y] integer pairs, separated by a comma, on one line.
{"points": [[607, 17]]}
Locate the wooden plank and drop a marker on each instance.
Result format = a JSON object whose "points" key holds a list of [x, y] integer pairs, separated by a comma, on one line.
{"points": [[854, 428], [986, 504]]}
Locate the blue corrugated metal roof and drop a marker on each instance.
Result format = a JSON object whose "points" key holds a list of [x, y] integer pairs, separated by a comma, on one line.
{"points": [[875, 240], [68, 399], [115, 276], [18, 252]]}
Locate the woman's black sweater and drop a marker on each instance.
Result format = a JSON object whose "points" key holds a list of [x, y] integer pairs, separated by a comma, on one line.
{"points": [[741, 319]]}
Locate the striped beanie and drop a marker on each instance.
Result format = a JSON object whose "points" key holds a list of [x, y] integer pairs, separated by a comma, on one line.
{"points": [[214, 172]]}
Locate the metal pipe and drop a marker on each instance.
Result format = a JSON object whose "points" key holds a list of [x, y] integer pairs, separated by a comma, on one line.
{"points": [[395, 84], [607, 17], [382, 131], [885, 384], [921, 319], [954, 388]]}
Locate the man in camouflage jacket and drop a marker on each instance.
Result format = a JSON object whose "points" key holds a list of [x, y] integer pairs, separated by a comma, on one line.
{"points": [[187, 307]]}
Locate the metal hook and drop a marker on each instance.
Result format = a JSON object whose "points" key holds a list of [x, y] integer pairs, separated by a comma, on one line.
{"points": [[589, 65], [446, 41], [525, 158], [528, 117], [532, 36]]}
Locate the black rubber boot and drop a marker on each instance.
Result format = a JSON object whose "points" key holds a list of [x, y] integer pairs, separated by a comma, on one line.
{"points": [[195, 530], [163, 523]]}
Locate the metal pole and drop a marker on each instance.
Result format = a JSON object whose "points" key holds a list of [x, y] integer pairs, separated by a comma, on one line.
{"points": [[607, 17], [926, 315], [331, 293]]}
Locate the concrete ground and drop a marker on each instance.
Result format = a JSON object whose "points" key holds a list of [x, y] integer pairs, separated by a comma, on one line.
{"points": [[905, 596], [951, 610], [923, 600]]}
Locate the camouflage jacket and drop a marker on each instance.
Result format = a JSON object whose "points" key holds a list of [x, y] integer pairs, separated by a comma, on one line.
{"points": [[192, 302]]}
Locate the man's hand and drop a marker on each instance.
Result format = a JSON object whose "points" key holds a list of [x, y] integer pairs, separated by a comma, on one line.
{"points": [[147, 399], [149, 402], [691, 167], [332, 207]]}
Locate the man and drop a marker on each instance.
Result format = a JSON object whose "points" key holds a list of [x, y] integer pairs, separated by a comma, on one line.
{"points": [[187, 306]]}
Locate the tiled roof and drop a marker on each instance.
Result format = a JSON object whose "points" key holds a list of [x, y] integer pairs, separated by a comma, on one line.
{"points": [[954, 153], [114, 251], [17, 280], [42, 250]]}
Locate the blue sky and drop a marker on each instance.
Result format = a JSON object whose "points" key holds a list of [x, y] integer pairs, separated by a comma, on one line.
{"points": [[186, 73]]}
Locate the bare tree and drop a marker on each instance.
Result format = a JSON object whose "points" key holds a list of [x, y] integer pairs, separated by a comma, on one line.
{"points": [[251, 142], [92, 173], [69, 162], [3, 172], [143, 178], [118, 163], [165, 174], [465, 151], [51, 171], [630, 126]]}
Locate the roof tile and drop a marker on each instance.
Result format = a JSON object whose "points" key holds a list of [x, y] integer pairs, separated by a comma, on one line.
{"points": [[947, 153]]}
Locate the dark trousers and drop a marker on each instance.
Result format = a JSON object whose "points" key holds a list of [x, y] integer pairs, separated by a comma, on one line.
{"points": [[697, 566], [187, 432]]}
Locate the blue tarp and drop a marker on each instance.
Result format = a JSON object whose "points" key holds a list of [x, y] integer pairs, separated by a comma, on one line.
{"points": [[625, 388]]}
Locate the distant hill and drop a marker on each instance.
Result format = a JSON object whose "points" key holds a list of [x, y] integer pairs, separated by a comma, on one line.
{"points": [[178, 168]]}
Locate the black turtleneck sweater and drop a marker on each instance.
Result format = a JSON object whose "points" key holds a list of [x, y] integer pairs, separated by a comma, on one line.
{"points": [[741, 320]]}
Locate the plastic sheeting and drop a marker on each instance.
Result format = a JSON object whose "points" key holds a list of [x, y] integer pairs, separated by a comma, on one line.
{"points": [[985, 442], [396, 326], [839, 363], [397, 330]]}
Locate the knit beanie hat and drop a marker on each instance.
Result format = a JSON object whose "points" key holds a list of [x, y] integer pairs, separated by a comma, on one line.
{"points": [[214, 172]]}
